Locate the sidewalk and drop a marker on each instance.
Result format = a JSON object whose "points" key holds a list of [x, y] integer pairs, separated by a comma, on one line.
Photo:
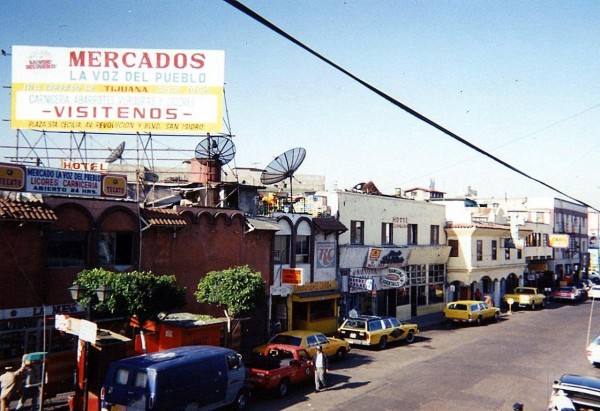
{"points": [[429, 321]]}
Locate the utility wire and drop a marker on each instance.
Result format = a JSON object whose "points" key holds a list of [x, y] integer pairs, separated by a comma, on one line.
{"points": [[392, 100]]}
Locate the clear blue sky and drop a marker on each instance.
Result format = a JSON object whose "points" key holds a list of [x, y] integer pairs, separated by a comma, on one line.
{"points": [[517, 78]]}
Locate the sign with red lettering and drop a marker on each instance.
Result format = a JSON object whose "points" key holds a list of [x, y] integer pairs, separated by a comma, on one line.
{"points": [[117, 90], [291, 276]]}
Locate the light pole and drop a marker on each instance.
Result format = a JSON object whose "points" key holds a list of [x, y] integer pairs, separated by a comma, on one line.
{"points": [[77, 293]]}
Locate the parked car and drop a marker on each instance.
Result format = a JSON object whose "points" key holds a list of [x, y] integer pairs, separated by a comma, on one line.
{"points": [[593, 352], [470, 311], [575, 392], [594, 292], [278, 367], [376, 331], [569, 293], [594, 276], [192, 377], [333, 347]]}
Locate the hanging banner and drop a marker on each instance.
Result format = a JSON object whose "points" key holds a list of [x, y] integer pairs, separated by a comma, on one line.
{"points": [[117, 90]]}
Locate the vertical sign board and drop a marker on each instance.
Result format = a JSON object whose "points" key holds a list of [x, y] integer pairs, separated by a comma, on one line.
{"points": [[117, 90]]}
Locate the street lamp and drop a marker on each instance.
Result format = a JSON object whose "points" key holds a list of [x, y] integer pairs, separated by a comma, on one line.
{"points": [[78, 292]]}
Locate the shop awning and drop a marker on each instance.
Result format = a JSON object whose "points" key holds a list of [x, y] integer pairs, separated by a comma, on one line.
{"points": [[316, 296]]}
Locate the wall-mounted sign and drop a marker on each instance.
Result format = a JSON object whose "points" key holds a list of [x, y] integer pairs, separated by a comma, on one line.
{"points": [[385, 257], [60, 181], [400, 222], [12, 177], [558, 240], [291, 276]]}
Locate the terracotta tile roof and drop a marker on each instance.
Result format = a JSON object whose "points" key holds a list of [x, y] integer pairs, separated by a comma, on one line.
{"points": [[163, 217], [18, 210], [329, 224]]}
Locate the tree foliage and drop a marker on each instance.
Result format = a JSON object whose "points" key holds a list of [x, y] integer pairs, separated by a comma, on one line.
{"points": [[237, 290], [142, 294]]}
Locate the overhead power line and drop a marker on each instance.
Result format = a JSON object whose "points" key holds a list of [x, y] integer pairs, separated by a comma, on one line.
{"points": [[249, 12]]}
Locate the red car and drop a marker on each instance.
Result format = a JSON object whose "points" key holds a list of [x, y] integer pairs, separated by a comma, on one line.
{"points": [[567, 294]]}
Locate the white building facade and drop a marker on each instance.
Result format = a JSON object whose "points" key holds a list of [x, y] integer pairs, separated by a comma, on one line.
{"points": [[393, 256]]}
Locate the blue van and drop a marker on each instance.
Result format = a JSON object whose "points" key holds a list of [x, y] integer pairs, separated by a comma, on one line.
{"points": [[190, 378]]}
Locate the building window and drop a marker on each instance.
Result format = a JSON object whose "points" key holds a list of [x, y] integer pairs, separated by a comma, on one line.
{"points": [[67, 248], [412, 234], [387, 233], [357, 232], [479, 250], [434, 235], [302, 249], [507, 253], [453, 248], [282, 249], [115, 248], [494, 250], [519, 254]]}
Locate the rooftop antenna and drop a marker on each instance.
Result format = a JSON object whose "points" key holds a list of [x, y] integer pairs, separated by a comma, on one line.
{"points": [[116, 154], [283, 166]]}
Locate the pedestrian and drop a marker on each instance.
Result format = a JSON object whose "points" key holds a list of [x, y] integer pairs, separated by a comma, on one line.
{"points": [[32, 383], [321, 364], [477, 294], [488, 300], [8, 383]]}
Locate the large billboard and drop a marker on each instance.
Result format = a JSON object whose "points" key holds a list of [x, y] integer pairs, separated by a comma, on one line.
{"points": [[117, 90]]}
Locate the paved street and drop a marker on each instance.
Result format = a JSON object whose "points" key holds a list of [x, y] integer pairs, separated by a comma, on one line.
{"points": [[460, 367]]}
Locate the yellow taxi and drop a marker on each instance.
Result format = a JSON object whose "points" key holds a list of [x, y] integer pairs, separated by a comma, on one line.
{"points": [[333, 347], [377, 331], [471, 311]]}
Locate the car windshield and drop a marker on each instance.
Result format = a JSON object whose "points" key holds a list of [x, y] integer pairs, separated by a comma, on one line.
{"points": [[286, 339]]}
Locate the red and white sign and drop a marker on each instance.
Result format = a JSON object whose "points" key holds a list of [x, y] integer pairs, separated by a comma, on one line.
{"points": [[117, 90]]}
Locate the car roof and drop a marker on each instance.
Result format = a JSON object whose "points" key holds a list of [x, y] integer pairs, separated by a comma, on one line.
{"points": [[466, 302], [299, 333], [574, 380]]}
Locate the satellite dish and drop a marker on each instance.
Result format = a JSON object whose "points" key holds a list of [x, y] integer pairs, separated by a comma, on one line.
{"points": [[283, 166], [219, 149], [116, 153]]}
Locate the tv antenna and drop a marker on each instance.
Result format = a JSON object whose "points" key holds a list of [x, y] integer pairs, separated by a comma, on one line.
{"points": [[283, 166]]}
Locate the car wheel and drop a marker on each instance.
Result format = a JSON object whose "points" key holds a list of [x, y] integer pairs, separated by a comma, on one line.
{"points": [[410, 337], [479, 321], [240, 400], [382, 343], [283, 388], [532, 306], [340, 354], [497, 317]]}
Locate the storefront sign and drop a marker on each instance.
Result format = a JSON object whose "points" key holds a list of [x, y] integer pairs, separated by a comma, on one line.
{"points": [[291, 276], [395, 278], [317, 286], [12, 177], [326, 261], [27, 312], [61, 181], [558, 240], [281, 290], [385, 257]]}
